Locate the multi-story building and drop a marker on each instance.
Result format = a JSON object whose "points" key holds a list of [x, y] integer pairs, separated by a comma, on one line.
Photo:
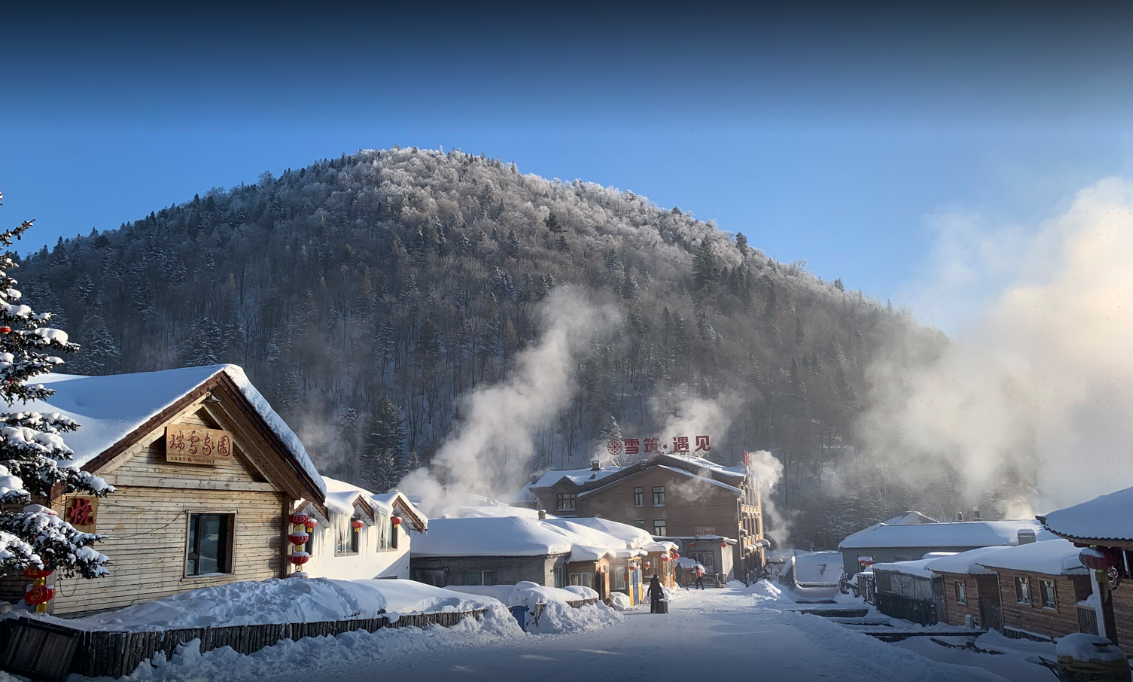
{"points": [[687, 500]]}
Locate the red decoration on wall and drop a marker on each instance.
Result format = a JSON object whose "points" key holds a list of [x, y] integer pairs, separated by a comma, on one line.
{"points": [[310, 523], [298, 518], [724, 545], [1098, 559], [299, 558], [5, 330], [40, 594], [396, 520], [37, 573], [357, 524], [298, 538]]}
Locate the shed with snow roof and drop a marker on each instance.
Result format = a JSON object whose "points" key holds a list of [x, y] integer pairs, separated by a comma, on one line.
{"points": [[205, 473], [909, 590], [361, 535], [1041, 585]]}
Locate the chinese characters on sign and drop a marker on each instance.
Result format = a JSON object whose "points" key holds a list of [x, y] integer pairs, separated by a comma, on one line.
{"points": [[82, 513], [632, 446], [193, 445]]}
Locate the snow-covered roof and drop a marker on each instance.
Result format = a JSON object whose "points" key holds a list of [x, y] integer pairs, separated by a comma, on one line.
{"points": [[632, 536], [916, 568], [1053, 557], [576, 476], [395, 497], [732, 471], [966, 563], [341, 497], [109, 408], [585, 535], [971, 534], [909, 518], [704, 479], [491, 536], [662, 546], [1109, 517], [588, 553], [628, 553]]}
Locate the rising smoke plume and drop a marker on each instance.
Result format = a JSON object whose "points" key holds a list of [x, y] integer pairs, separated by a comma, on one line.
{"points": [[1039, 389], [489, 451]]}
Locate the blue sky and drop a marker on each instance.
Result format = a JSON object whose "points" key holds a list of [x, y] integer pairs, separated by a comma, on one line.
{"points": [[845, 137]]}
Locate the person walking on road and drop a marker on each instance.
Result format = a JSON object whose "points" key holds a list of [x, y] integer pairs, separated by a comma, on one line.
{"points": [[700, 577], [655, 595]]}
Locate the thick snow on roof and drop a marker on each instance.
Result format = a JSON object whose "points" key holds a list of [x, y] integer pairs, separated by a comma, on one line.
{"points": [[341, 496], [588, 553], [910, 518], [585, 535], [577, 476], [916, 568], [966, 563], [662, 546], [1109, 517], [733, 471], [490, 536], [496, 510], [632, 536], [1053, 557], [388, 500], [970, 534], [108, 408]]}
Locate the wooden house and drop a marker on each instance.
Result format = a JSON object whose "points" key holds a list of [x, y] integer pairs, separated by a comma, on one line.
{"points": [[502, 550], [1040, 587], [361, 535], [626, 569], [660, 561], [1105, 524], [206, 475], [590, 567], [665, 495], [713, 552], [970, 590]]}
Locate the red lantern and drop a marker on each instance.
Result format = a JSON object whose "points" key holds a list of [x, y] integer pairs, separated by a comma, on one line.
{"points": [[396, 520], [357, 524], [676, 555], [647, 567], [665, 557], [299, 558], [311, 523], [298, 518], [723, 545], [1098, 559], [37, 573], [5, 330], [40, 594], [298, 538]]}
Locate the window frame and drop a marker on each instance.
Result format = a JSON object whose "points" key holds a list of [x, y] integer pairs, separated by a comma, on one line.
{"points": [[484, 576], [571, 497], [1053, 605], [1022, 590], [639, 496], [664, 527], [560, 576], [230, 559], [658, 490], [961, 590], [355, 536], [640, 523], [620, 578]]}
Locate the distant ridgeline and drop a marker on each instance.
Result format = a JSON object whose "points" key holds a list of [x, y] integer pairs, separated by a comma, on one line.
{"points": [[416, 276]]}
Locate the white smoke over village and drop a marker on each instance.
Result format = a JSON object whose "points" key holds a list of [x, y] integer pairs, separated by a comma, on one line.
{"points": [[1039, 388], [489, 451]]}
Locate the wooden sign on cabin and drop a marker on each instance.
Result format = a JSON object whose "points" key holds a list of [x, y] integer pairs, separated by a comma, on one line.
{"points": [[185, 444], [82, 513]]}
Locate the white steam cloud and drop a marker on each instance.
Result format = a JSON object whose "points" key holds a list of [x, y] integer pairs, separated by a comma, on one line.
{"points": [[489, 451], [1040, 387]]}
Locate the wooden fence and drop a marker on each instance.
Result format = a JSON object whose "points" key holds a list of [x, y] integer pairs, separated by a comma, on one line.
{"points": [[114, 654]]}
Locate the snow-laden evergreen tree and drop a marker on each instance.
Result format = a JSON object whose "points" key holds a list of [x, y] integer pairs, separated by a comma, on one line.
{"points": [[204, 346], [382, 452], [33, 455], [100, 354]]}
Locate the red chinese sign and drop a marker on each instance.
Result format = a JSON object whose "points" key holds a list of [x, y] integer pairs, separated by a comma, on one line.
{"points": [[82, 513], [193, 445], [632, 446]]}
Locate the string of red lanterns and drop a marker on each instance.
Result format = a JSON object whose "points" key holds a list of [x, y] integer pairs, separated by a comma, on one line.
{"points": [[298, 537]]}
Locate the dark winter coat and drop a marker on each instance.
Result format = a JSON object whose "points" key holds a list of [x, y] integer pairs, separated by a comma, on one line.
{"points": [[655, 590]]}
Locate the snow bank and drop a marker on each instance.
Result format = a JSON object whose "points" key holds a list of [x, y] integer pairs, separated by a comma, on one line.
{"points": [[289, 600], [558, 618], [620, 601], [527, 593], [350, 649], [1083, 647], [818, 567], [765, 590]]}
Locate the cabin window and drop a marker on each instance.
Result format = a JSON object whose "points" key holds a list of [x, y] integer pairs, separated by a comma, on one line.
{"points": [[638, 496], [640, 523], [387, 534], [705, 559], [346, 538], [659, 527], [1022, 591], [961, 593], [477, 577], [583, 579], [210, 544], [565, 501], [658, 496], [560, 578], [392, 535], [1047, 588], [620, 578]]}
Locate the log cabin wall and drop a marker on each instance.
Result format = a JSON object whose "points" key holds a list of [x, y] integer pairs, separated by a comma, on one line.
{"points": [[1054, 622], [1123, 615]]}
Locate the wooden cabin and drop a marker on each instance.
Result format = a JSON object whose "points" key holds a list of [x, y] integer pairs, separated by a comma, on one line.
{"points": [[206, 475], [660, 560], [908, 590], [590, 567], [494, 550], [626, 569], [361, 535], [1104, 523], [1040, 586], [970, 590]]}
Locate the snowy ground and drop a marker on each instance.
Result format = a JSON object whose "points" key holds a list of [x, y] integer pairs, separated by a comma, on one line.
{"points": [[746, 633]]}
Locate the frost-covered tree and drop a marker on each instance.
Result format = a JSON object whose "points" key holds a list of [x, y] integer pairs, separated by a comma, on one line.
{"points": [[100, 354], [204, 346], [33, 455], [382, 452]]}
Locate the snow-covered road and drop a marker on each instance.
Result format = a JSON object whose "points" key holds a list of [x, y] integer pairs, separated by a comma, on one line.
{"points": [[707, 633]]}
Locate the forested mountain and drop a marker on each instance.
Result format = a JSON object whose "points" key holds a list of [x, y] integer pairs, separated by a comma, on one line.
{"points": [[365, 295]]}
